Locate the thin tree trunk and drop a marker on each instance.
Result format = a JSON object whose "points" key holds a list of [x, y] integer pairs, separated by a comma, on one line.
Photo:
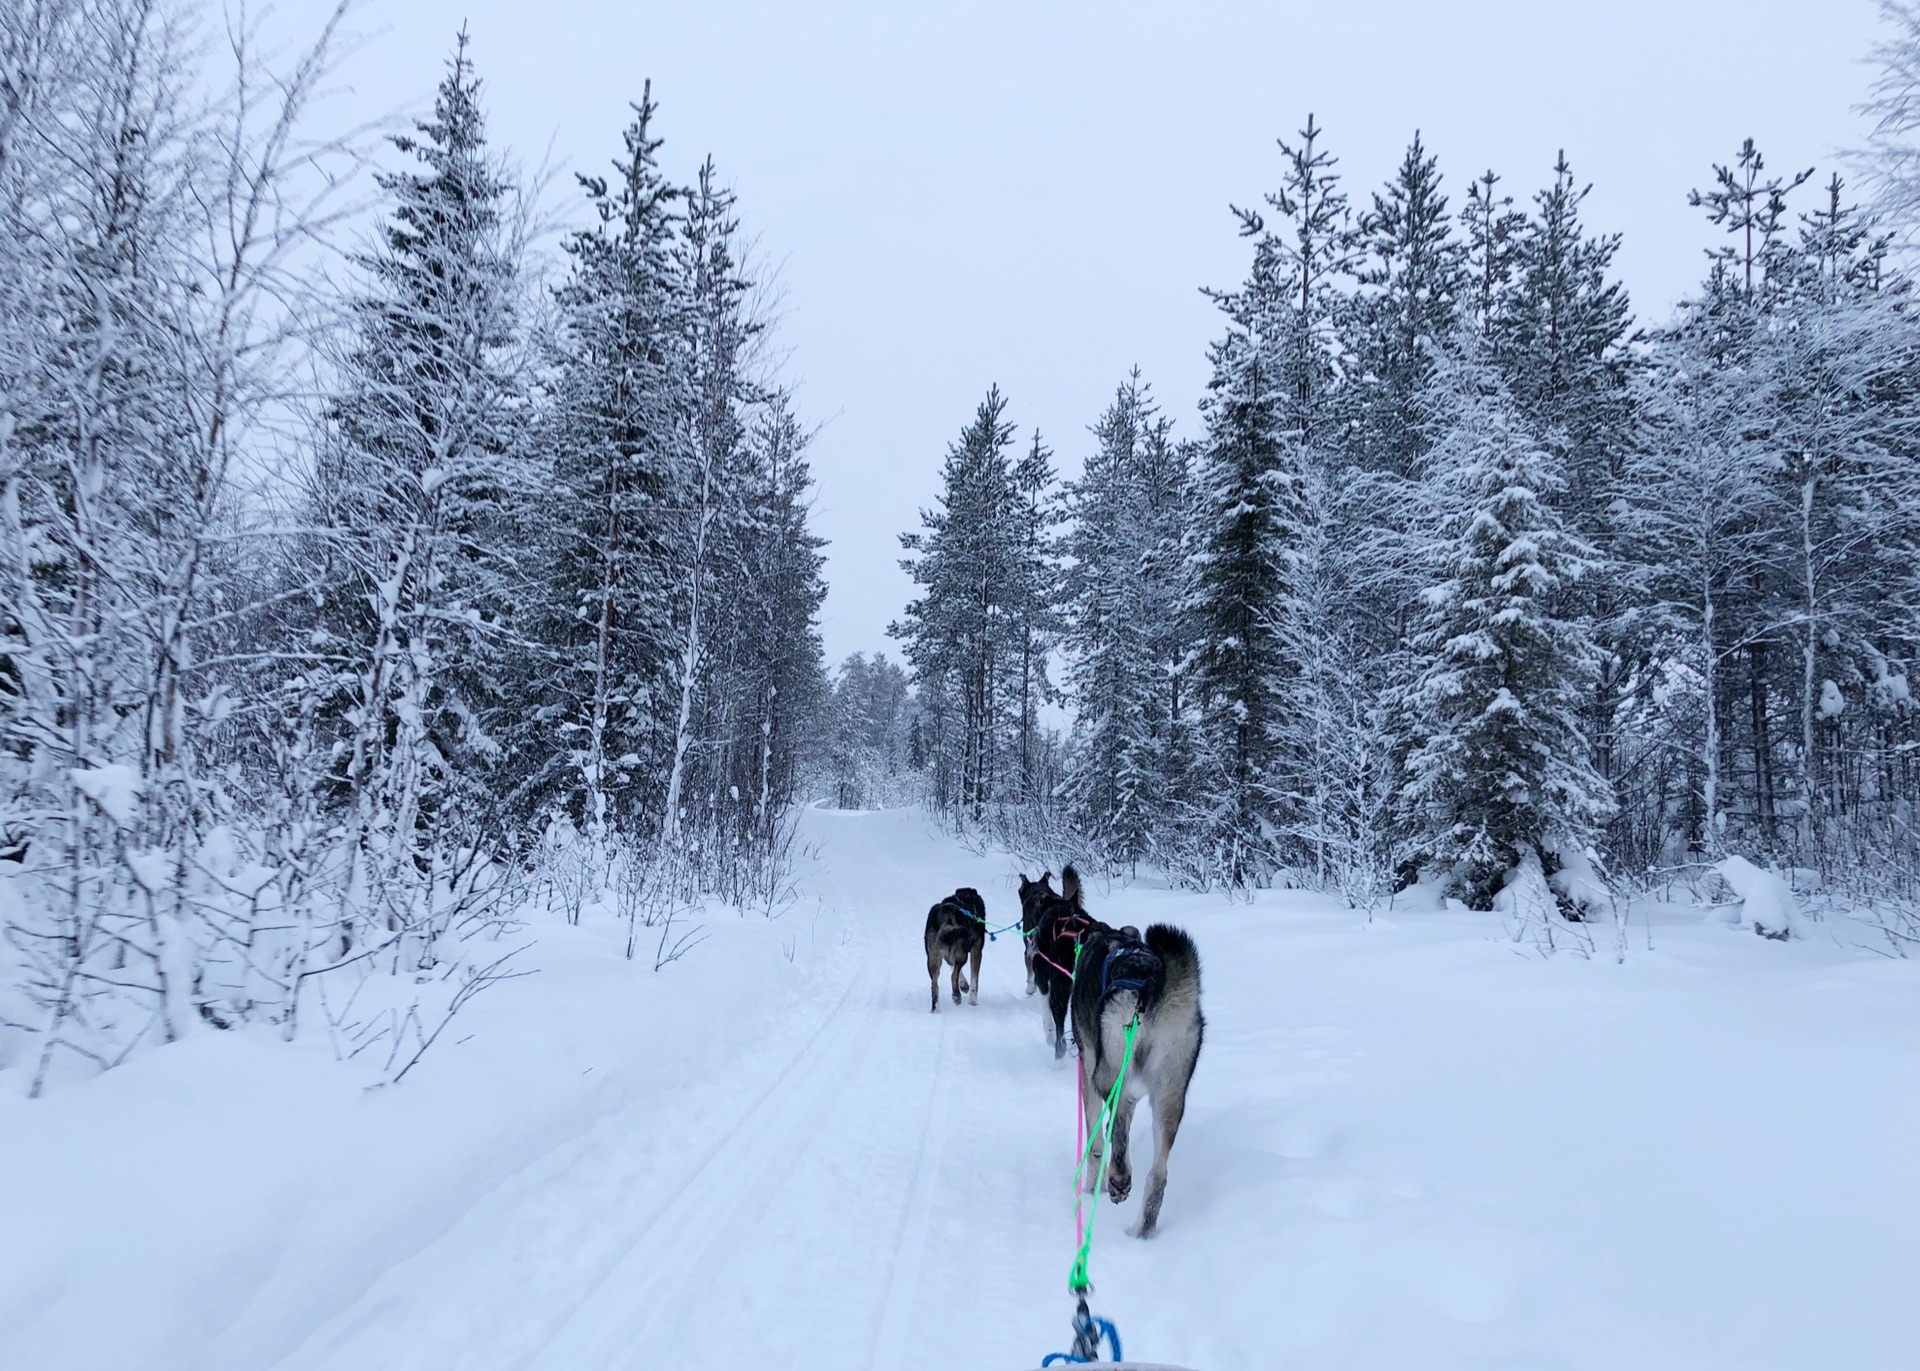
{"points": [[689, 657], [1710, 746], [1762, 742], [1809, 646]]}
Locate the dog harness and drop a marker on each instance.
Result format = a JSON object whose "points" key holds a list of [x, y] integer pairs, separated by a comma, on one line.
{"points": [[1128, 966], [1074, 926]]}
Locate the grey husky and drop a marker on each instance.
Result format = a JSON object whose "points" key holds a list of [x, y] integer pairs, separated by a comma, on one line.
{"points": [[1120, 975], [956, 935]]}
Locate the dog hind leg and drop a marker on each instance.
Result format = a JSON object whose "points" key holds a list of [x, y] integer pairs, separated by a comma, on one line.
{"points": [[933, 974], [973, 971], [1058, 996], [1169, 1105], [956, 983], [1120, 1169], [1090, 1101]]}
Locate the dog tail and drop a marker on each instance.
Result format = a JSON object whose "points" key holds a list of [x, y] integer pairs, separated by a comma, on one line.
{"points": [[1176, 952], [1179, 989], [1070, 885]]}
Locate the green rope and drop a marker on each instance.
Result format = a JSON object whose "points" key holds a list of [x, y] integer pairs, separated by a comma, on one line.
{"points": [[1077, 1280]]}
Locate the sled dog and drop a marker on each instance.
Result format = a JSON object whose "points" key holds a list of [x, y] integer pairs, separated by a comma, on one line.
{"points": [[956, 935], [1031, 893], [1060, 922], [1121, 975]]}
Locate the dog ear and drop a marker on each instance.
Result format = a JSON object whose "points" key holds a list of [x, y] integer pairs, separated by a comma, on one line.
{"points": [[1070, 884]]}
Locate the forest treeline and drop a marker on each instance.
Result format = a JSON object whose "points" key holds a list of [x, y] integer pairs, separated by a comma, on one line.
{"points": [[1467, 576], [339, 587]]}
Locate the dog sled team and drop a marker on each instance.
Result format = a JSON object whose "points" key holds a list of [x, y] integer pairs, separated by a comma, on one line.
{"points": [[1096, 980]]}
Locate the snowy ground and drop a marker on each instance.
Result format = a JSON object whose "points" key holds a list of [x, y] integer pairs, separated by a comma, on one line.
{"points": [[1408, 1146]]}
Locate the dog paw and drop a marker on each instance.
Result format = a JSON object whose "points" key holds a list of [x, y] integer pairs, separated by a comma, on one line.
{"points": [[1118, 1189], [1140, 1230]]}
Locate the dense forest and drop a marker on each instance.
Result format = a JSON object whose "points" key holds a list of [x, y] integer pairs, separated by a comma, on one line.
{"points": [[1467, 576], [346, 591]]}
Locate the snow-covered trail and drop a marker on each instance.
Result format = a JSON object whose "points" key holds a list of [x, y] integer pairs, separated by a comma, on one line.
{"points": [[863, 1186], [1408, 1146]]}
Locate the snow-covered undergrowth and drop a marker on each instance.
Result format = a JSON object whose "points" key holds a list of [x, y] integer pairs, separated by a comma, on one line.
{"points": [[1411, 1142]]}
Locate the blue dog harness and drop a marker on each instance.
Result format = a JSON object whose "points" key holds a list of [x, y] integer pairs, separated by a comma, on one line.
{"points": [[1128, 966]]}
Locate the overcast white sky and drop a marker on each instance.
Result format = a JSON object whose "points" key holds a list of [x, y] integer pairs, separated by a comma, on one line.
{"points": [[1032, 193]]}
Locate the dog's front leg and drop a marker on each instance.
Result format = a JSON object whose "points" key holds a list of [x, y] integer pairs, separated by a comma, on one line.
{"points": [[1026, 952]]}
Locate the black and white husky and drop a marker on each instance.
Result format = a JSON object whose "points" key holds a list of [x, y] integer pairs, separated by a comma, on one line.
{"points": [[1157, 978], [957, 934]]}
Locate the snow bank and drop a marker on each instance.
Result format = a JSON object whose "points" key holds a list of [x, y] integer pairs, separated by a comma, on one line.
{"points": [[1767, 902]]}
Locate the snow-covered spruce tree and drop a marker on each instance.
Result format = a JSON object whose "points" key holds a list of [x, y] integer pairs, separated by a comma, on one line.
{"points": [[1116, 607], [1560, 337], [421, 493], [763, 695], [1499, 774], [1034, 606], [1412, 274], [1274, 375], [619, 431], [1559, 341], [966, 635], [1247, 512], [1492, 228]]}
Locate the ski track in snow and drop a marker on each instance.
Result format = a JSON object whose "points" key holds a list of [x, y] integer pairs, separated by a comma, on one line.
{"points": [[1406, 1147], [871, 1157]]}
